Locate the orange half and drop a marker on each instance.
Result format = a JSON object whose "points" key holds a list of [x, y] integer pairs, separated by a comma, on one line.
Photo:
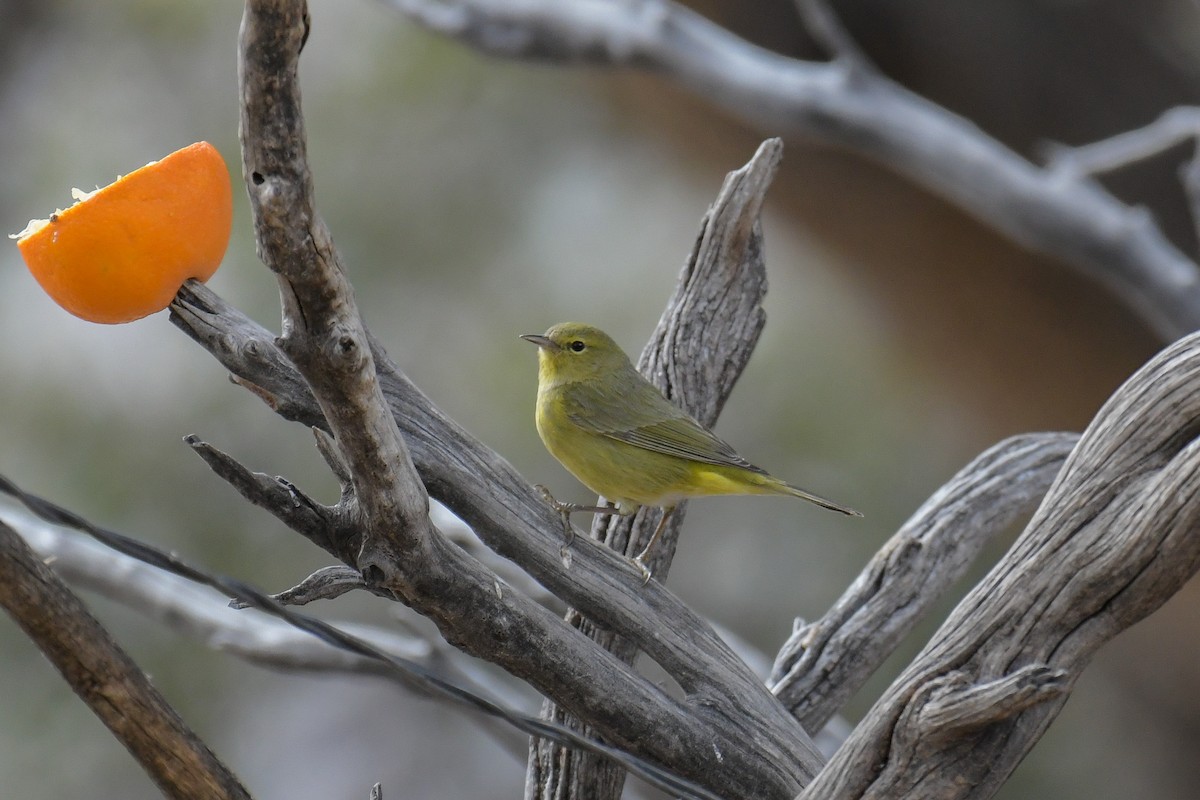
{"points": [[122, 252]]}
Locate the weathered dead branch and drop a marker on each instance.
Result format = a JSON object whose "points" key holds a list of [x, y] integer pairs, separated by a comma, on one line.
{"points": [[1116, 536]]}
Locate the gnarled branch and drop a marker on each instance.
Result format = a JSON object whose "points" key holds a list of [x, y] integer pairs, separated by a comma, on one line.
{"points": [[343, 382], [1117, 535], [824, 663]]}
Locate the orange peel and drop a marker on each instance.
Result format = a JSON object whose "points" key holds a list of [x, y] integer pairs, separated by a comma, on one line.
{"points": [[121, 252]]}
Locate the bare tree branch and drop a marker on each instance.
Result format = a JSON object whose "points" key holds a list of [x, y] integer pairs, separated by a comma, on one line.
{"points": [[1174, 127], [953, 706], [408, 674], [827, 30], [1108, 544], [1189, 174], [1117, 535], [327, 583], [203, 615], [107, 679], [326, 527], [1074, 220], [824, 663], [399, 550]]}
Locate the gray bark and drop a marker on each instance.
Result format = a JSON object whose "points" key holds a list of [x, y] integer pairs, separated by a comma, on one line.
{"points": [[1113, 538]]}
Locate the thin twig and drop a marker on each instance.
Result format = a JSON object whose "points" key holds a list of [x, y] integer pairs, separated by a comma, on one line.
{"points": [[1189, 175], [327, 527], [327, 583], [823, 24], [1125, 149]]}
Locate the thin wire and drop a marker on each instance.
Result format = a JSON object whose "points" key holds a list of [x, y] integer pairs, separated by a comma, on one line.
{"points": [[409, 673]]}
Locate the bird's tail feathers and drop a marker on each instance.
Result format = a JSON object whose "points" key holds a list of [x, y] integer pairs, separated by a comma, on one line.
{"points": [[796, 491]]}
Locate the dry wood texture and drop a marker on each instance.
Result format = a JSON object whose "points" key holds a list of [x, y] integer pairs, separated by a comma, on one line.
{"points": [[1015, 648], [1115, 535]]}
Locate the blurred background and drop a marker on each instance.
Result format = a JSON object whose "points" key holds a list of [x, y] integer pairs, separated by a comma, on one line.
{"points": [[474, 200]]}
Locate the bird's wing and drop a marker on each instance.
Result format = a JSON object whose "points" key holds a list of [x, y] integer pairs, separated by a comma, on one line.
{"points": [[644, 418]]}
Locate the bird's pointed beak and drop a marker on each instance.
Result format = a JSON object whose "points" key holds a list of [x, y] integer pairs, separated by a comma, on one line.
{"points": [[540, 341]]}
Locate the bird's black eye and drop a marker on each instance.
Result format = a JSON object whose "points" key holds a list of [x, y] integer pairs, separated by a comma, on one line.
{"points": [[577, 346]]}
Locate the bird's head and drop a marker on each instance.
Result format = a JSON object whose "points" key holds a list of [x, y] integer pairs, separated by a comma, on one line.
{"points": [[571, 352]]}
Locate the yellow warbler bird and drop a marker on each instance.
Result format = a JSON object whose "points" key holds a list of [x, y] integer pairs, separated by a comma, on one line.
{"points": [[615, 432]]}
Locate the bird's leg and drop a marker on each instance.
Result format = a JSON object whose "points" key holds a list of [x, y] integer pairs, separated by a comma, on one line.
{"points": [[565, 510], [640, 559]]}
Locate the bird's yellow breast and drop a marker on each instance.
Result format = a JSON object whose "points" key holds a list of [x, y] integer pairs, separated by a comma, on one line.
{"points": [[621, 472]]}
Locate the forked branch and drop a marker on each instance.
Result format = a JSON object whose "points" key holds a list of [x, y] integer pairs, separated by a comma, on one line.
{"points": [[1116, 536], [326, 362], [824, 663]]}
